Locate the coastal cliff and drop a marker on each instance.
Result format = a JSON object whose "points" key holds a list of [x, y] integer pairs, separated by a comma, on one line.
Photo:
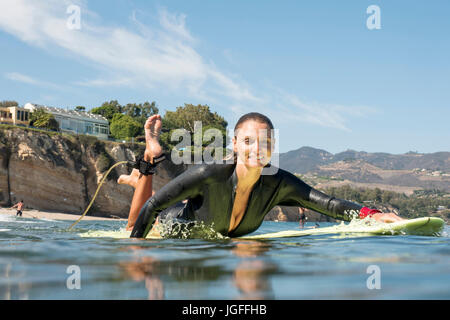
{"points": [[55, 172]]}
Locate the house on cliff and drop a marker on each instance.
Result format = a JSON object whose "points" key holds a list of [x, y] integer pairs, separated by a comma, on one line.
{"points": [[14, 115], [77, 122]]}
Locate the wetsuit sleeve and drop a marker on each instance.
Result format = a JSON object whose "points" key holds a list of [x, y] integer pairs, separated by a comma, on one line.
{"points": [[295, 192], [186, 185]]}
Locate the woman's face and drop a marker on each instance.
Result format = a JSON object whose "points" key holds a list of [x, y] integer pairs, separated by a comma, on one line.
{"points": [[253, 144]]}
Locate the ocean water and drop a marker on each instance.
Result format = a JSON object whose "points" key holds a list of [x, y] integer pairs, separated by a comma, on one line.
{"points": [[41, 259]]}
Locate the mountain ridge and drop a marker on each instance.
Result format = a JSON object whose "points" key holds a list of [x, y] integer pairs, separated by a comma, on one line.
{"points": [[415, 170]]}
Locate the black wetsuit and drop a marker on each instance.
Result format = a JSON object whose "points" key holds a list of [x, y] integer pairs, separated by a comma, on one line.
{"points": [[210, 190]]}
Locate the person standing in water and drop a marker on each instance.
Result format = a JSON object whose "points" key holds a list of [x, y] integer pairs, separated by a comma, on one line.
{"points": [[19, 207], [231, 197], [301, 211]]}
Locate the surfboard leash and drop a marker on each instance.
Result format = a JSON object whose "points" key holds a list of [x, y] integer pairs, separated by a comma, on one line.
{"points": [[144, 167], [98, 189]]}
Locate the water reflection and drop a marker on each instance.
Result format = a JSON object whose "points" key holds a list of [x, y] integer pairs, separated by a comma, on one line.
{"points": [[146, 269], [250, 277], [9, 289]]}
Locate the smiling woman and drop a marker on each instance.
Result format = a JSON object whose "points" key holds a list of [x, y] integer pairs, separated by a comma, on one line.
{"points": [[232, 198]]}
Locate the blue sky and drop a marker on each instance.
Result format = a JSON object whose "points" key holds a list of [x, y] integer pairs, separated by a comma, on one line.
{"points": [[313, 67]]}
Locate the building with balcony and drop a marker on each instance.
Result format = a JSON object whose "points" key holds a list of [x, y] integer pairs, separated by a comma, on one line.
{"points": [[77, 122]]}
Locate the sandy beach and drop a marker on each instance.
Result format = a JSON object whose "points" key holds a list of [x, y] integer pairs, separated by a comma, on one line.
{"points": [[37, 214]]}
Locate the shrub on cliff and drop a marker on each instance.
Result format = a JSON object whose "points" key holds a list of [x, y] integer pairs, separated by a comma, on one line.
{"points": [[103, 162], [123, 126], [42, 119]]}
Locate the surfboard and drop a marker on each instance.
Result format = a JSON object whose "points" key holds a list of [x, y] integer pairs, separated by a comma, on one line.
{"points": [[426, 226]]}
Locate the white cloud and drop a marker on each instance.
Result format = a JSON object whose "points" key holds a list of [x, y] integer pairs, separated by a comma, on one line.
{"points": [[15, 76], [161, 56], [175, 24], [19, 77], [153, 57], [104, 82], [322, 114]]}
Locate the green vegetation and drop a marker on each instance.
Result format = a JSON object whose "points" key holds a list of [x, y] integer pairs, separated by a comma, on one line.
{"points": [[108, 109], [421, 203], [124, 127], [87, 140], [128, 121], [42, 119], [104, 162], [184, 117], [80, 108], [140, 112], [8, 103], [13, 127]]}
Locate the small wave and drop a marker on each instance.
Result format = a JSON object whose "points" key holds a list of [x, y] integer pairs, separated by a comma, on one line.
{"points": [[6, 218], [19, 221], [116, 234], [50, 220]]}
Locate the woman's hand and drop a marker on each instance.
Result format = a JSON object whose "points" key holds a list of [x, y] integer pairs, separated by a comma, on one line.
{"points": [[386, 217]]}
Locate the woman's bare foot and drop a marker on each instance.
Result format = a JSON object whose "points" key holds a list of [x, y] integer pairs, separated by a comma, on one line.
{"points": [[131, 179], [153, 149], [152, 129]]}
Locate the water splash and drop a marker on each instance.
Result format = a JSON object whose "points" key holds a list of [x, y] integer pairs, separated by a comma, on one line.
{"points": [[187, 230], [165, 229]]}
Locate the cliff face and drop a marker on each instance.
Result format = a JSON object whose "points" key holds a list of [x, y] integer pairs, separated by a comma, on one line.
{"points": [[61, 173]]}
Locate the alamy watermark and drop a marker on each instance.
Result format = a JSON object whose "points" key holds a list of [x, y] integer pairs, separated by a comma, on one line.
{"points": [[374, 20], [258, 146], [74, 20], [374, 280], [74, 280]]}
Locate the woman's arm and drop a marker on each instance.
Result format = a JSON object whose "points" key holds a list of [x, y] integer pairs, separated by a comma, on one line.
{"points": [[187, 185], [295, 192]]}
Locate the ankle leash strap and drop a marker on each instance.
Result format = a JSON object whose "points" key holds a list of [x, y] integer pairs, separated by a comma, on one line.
{"points": [[145, 167]]}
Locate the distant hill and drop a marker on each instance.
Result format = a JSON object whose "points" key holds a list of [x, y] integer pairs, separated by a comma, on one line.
{"points": [[383, 170]]}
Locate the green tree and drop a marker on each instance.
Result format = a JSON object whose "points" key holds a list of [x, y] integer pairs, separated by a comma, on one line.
{"points": [[42, 119], [184, 117], [124, 127], [108, 109], [80, 108], [140, 112], [8, 103]]}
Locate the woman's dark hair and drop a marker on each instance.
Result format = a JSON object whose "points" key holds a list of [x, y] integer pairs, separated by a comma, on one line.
{"points": [[255, 116]]}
